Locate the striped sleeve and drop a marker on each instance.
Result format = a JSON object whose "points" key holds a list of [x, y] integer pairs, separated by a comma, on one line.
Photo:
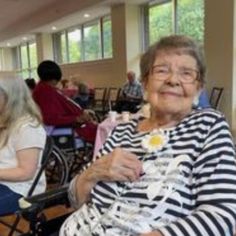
{"points": [[213, 188]]}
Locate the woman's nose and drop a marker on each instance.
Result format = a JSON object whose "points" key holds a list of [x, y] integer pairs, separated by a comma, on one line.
{"points": [[173, 78]]}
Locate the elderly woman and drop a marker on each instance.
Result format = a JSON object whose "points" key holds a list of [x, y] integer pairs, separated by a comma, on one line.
{"points": [[22, 140], [173, 174]]}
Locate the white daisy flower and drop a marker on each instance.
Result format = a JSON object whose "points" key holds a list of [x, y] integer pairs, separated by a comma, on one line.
{"points": [[155, 141]]}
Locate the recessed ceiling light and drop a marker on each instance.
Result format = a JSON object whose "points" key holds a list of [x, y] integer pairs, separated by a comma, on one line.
{"points": [[86, 15], [24, 38], [54, 28], [8, 44]]}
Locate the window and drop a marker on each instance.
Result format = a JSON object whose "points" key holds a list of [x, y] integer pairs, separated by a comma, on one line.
{"points": [[74, 43], [160, 21], [63, 43], [191, 18], [33, 62], [90, 41], [165, 17], [106, 37], [26, 59]]}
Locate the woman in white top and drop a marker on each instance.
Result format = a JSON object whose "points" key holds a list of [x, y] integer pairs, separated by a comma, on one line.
{"points": [[22, 139]]}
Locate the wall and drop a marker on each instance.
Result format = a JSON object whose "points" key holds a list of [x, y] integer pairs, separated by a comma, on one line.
{"points": [[219, 49], [44, 46]]}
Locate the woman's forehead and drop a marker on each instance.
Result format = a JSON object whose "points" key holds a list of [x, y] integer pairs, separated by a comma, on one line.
{"points": [[182, 58]]}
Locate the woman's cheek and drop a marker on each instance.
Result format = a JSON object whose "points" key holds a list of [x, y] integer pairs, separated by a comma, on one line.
{"points": [[152, 96]]}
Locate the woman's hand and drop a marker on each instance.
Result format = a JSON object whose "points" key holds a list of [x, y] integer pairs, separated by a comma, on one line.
{"points": [[120, 165], [86, 116]]}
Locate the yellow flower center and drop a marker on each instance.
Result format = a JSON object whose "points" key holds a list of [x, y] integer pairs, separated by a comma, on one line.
{"points": [[156, 140]]}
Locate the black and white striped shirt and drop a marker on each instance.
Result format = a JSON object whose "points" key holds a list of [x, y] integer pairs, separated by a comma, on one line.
{"points": [[188, 187]]}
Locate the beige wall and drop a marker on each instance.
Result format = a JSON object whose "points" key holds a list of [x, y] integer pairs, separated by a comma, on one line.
{"points": [[44, 47], [220, 52], [133, 37]]}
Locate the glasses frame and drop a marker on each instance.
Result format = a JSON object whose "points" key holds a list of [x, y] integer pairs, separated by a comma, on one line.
{"points": [[170, 72]]}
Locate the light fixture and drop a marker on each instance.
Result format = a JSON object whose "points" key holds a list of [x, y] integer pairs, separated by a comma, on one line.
{"points": [[86, 15], [8, 44], [24, 38], [54, 28]]}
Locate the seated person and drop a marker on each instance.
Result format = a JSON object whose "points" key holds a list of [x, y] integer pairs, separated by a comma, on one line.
{"points": [[22, 140], [82, 97], [131, 95], [57, 109], [170, 174], [68, 88]]}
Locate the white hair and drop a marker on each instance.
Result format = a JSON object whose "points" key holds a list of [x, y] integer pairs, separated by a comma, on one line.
{"points": [[17, 107]]}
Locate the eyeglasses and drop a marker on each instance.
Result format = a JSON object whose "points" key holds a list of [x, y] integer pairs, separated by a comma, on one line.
{"points": [[186, 75]]}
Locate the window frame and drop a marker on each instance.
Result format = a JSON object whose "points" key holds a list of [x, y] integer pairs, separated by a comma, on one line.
{"points": [[57, 50]]}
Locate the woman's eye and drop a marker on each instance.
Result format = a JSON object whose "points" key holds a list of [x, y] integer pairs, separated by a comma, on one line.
{"points": [[162, 71], [186, 73]]}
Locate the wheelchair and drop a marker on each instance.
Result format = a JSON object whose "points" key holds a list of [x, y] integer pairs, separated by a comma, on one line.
{"points": [[78, 152]]}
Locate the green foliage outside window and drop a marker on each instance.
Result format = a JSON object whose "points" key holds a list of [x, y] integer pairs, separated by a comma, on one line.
{"points": [[63, 48], [83, 43], [33, 55], [24, 57], [74, 41], [160, 21], [190, 19], [107, 38], [92, 47]]}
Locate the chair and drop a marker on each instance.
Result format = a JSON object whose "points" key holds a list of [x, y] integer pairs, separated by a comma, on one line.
{"points": [[55, 165], [33, 208], [112, 97], [215, 97], [99, 101]]}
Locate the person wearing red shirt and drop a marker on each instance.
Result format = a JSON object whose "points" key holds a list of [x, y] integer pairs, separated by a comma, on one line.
{"points": [[57, 109]]}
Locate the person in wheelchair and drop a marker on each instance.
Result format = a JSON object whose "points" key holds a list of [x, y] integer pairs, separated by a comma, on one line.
{"points": [[173, 173], [57, 109], [22, 140]]}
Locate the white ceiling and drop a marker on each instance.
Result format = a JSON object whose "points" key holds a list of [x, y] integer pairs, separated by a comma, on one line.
{"points": [[23, 18]]}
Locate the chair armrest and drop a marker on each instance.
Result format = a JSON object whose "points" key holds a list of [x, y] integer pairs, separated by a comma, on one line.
{"points": [[43, 200]]}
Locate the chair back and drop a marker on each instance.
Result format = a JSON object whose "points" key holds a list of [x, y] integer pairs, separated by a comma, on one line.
{"points": [[99, 101], [113, 96], [100, 94], [215, 97], [45, 156]]}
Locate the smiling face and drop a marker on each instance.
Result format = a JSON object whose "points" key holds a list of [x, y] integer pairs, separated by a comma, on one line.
{"points": [[167, 90]]}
